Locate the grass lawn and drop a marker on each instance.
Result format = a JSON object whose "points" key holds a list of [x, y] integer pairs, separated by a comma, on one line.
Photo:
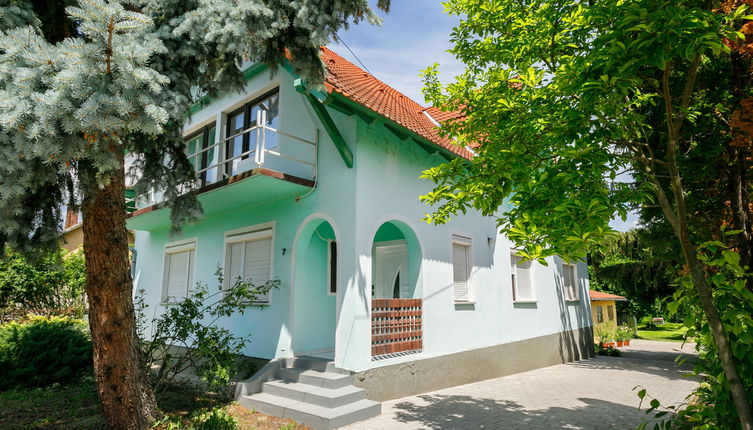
{"points": [[671, 332], [76, 406]]}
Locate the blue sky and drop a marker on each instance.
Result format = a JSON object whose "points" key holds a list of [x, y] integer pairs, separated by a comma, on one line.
{"points": [[414, 35]]}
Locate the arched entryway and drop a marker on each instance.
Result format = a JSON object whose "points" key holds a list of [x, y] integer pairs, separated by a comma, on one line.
{"points": [[396, 262], [396, 293], [315, 289]]}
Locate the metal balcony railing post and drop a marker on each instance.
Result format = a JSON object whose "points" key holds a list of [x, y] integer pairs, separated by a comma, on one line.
{"points": [[257, 157]]}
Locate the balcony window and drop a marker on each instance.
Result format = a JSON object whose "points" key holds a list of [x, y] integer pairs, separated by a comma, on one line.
{"points": [[204, 154], [241, 142]]}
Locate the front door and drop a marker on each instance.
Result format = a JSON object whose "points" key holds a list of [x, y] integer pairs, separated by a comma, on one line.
{"points": [[391, 274]]}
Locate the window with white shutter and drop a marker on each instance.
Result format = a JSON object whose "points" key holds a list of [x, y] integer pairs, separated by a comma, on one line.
{"points": [[177, 278], [522, 282], [461, 268], [570, 282], [249, 259]]}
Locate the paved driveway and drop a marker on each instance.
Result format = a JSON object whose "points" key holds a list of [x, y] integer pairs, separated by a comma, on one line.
{"points": [[590, 394]]}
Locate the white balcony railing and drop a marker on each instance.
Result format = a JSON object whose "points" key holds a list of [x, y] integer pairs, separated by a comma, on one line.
{"points": [[265, 147]]}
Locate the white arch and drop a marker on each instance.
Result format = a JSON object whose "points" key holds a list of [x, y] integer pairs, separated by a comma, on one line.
{"points": [[395, 217]]}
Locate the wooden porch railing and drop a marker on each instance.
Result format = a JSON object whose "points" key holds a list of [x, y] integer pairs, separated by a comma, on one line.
{"points": [[395, 326]]}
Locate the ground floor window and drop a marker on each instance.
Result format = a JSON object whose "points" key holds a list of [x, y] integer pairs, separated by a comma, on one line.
{"points": [[569, 281], [599, 314], [332, 267], [249, 259], [522, 287], [461, 268], [177, 277]]}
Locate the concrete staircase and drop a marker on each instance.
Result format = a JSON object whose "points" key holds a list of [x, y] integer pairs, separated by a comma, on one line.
{"points": [[309, 390]]}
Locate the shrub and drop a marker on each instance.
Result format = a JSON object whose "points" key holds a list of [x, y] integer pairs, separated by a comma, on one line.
{"points": [[713, 405], [44, 351], [605, 333], [609, 351], [214, 419], [624, 333], [212, 352], [48, 285]]}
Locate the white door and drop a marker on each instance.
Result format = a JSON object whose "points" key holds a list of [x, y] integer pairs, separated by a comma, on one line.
{"points": [[391, 274]]}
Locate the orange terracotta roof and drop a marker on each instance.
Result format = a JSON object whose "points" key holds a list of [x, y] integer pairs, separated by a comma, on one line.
{"points": [[598, 295], [348, 80]]}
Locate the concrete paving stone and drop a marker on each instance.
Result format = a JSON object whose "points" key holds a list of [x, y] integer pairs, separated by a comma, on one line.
{"points": [[591, 394]]}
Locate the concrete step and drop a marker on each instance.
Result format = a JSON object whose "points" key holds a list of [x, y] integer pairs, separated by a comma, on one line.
{"points": [[325, 397], [314, 416], [313, 363], [316, 378]]}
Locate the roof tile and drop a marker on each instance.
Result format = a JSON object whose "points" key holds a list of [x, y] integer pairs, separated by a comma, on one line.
{"points": [[349, 80]]}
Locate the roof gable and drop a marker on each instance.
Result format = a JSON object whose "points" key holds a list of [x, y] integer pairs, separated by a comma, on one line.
{"points": [[352, 82]]}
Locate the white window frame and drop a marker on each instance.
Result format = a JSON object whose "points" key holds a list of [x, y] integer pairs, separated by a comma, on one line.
{"points": [[466, 241], [532, 279], [329, 267], [175, 248], [574, 281], [245, 234]]}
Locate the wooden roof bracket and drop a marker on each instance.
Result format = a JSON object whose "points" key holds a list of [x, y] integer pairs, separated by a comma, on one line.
{"points": [[329, 124]]}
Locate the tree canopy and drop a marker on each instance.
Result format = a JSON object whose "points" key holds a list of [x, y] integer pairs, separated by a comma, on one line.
{"points": [[81, 83], [580, 111]]}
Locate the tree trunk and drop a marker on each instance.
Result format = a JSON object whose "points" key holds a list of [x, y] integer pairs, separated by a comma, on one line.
{"points": [[127, 400], [723, 347], [741, 207], [705, 294]]}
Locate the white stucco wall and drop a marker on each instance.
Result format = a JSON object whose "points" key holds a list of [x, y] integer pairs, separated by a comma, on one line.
{"points": [[383, 185]]}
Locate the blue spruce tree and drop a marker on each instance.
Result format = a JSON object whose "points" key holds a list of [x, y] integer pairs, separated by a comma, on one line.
{"points": [[82, 83]]}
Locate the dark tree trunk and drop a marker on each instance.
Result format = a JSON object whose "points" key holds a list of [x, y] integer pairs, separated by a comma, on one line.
{"points": [[127, 400], [741, 206]]}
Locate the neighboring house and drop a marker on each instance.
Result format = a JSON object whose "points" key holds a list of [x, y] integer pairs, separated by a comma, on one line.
{"points": [[319, 189], [604, 308], [73, 232]]}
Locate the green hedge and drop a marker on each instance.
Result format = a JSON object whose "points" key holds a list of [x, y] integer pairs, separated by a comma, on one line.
{"points": [[43, 351]]}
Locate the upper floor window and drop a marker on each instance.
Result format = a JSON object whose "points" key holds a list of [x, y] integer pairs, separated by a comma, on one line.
{"points": [[461, 268], [244, 139], [203, 154], [177, 277], [522, 285], [249, 259], [570, 281]]}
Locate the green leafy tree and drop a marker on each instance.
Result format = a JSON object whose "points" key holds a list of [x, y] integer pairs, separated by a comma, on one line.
{"points": [[82, 83], [565, 98], [51, 285], [637, 265]]}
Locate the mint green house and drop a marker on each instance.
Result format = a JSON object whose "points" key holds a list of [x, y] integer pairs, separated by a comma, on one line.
{"points": [[319, 190]]}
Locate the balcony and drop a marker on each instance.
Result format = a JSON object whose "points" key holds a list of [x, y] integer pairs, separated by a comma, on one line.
{"points": [[259, 163]]}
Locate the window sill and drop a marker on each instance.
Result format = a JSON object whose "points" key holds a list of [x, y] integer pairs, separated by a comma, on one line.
{"points": [[464, 306], [463, 302], [525, 302], [171, 303], [572, 301]]}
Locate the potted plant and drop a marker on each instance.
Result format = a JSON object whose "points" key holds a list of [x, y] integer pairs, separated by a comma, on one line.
{"points": [[623, 335], [604, 335]]}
